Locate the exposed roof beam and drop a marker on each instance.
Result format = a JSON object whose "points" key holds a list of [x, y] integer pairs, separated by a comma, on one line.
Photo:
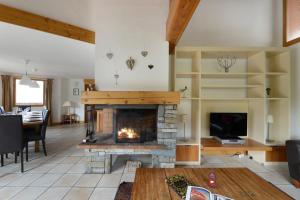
{"points": [[33, 21], [180, 13]]}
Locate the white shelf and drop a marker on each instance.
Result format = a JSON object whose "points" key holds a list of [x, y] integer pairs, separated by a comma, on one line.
{"points": [[230, 99], [276, 98], [276, 73], [242, 89], [229, 75], [229, 86], [187, 74]]}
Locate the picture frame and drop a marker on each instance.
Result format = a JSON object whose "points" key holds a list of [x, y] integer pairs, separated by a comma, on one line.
{"points": [[291, 22], [76, 91]]}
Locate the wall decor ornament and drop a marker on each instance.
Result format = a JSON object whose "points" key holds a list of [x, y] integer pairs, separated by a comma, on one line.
{"points": [[144, 53], [130, 63], [226, 62], [116, 76], [76, 91], [110, 55], [150, 66]]}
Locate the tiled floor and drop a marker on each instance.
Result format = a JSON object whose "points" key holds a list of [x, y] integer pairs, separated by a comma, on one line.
{"points": [[60, 175]]}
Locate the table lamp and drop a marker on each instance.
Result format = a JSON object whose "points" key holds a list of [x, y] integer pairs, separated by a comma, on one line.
{"points": [[183, 119], [270, 120], [68, 105]]}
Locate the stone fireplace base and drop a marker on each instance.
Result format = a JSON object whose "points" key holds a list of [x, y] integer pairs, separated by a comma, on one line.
{"points": [[99, 155]]}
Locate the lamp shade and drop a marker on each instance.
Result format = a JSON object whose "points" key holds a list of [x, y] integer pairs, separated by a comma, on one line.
{"points": [[67, 104], [25, 80], [270, 119], [34, 84]]}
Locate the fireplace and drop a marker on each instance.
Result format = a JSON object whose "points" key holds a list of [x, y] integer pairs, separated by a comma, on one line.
{"points": [[135, 124]]}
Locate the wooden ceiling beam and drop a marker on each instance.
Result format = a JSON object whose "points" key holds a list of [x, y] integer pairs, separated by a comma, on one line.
{"points": [[37, 22], [180, 13]]}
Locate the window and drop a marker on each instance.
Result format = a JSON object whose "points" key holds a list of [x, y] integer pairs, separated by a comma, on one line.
{"points": [[25, 95]]}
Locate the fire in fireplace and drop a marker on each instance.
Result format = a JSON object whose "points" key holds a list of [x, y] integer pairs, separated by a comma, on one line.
{"points": [[135, 124], [129, 133]]}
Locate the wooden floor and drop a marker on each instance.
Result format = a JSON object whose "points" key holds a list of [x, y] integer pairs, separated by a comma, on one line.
{"points": [[236, 183]]}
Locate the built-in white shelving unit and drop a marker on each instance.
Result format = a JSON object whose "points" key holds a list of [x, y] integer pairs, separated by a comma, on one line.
{"points": [[242, 89]]}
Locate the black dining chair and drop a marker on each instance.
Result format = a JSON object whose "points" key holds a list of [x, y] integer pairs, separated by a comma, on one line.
{"points": [[39, 134], [11, 137]]}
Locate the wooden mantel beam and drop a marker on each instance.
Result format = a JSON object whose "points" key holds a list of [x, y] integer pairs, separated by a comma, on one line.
{"points": [[180, 13], [129, 97], [33, 21]]}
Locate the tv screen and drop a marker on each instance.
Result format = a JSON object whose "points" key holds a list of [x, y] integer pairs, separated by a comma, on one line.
{"points": [[228, 124]]}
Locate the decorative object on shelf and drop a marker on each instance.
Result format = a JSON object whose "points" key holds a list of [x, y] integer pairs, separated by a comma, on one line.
{"points": [[91, 87], [144, 53], [150, 66], [212, 180], [68, 105], [179, 183], [25, 80], [116, 76], [226, 62], [268, 90], [75, 91], [183, 119], [270, 120], [130, 63], [184, 92]]}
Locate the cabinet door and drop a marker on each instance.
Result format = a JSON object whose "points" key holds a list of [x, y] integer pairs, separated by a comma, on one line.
{"points": [[107, 120], [187, 153], [278, 154]]}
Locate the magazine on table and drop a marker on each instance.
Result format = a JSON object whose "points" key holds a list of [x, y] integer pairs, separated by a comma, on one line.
{"points": [[199, 193]]}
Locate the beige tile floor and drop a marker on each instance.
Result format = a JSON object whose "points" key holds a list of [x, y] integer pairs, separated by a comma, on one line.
{"points": [[60, 175]]}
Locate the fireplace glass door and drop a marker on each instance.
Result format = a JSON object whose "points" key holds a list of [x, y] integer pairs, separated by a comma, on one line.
{"points": [[135, 125]]}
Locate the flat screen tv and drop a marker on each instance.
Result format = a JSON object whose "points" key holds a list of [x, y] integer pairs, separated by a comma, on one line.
{"points": [[228, 124]]}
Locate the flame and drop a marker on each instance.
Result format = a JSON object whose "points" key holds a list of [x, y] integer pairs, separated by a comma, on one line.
{"points": [[127, 133]]}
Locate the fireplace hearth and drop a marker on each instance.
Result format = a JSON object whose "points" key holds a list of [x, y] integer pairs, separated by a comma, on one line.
{"points": [[135, 124]]}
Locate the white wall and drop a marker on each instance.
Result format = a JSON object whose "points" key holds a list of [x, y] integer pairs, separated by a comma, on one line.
{"points": [[56, 100], [0, 91], [63, 91], [233, 23], [67, 95], [127, 29]]}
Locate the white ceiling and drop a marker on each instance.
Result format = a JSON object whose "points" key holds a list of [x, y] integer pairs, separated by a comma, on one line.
{"points": [[81, 13], [234, 23], [51, 55]]}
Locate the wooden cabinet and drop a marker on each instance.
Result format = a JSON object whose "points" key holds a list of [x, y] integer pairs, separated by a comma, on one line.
{"points": [[278, 154], [187, 153]]}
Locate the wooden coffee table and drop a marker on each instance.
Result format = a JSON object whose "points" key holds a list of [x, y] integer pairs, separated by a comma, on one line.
{"points": [[236, 183]]}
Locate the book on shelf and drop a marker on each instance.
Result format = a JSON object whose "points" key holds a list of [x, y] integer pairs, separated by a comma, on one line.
{"points": [[200, 193]]}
